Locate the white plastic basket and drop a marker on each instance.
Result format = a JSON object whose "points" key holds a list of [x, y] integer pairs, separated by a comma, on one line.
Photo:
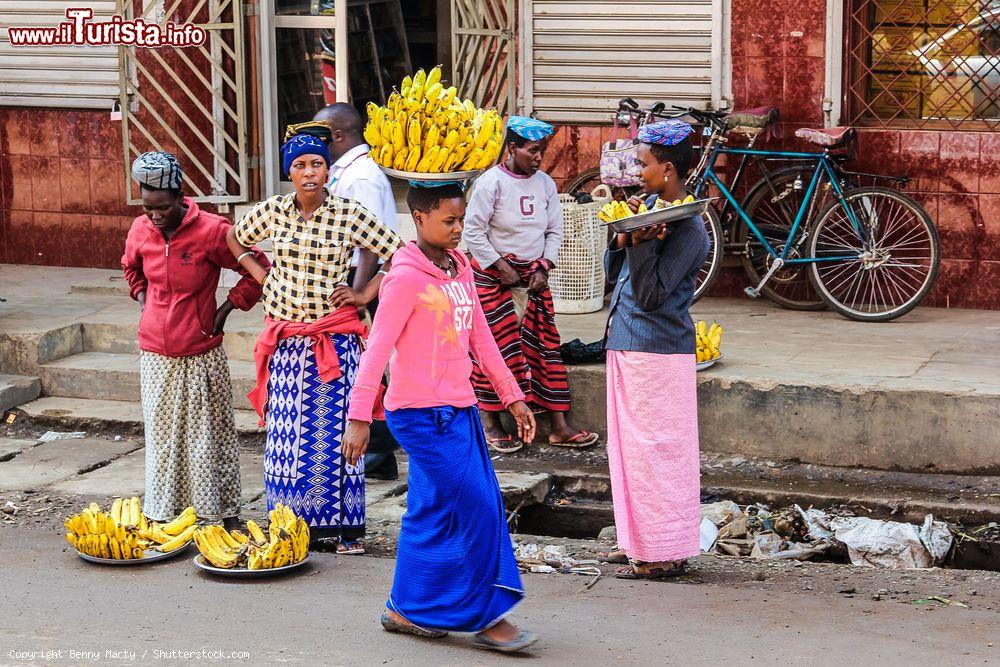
{"points": [[577, 282]]}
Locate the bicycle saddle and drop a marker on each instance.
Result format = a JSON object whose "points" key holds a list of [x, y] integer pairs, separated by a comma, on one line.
{"points": [[751, 122], [827, 136]]}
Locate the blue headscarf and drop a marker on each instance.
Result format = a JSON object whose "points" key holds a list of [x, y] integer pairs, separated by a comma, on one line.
{"points": [[531, 129], [665, 132], [436, 184], [303, 144]]}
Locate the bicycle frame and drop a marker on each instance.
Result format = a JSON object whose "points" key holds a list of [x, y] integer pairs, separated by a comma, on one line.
{"points": [[823, 166]]}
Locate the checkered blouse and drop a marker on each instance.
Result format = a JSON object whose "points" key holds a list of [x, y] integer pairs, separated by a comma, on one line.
{"points": [[312, 257]]}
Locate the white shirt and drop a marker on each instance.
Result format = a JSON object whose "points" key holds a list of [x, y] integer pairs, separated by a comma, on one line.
{"points": [[356, 176]]}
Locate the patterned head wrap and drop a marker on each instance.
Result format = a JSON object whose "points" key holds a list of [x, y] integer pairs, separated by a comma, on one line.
{"points": [[302, 144], [437, 184], [313, 128], [159, 171], [665, 132], [531, 129]]}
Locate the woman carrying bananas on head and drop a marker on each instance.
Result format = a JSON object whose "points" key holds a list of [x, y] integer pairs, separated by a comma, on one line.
{"points": [[652, 392], [513, 229], [307, 355]]}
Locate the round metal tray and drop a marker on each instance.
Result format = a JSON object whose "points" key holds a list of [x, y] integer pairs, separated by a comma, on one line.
{"points": [[148, 557], [661, 216], [419, 176], [243, 573], [704, 365]]}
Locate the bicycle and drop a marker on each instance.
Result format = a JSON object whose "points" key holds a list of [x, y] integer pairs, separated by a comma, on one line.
{"points": [[871, 254]]}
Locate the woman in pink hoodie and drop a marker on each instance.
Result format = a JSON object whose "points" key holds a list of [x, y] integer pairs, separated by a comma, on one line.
{"points": [[455, 568]]}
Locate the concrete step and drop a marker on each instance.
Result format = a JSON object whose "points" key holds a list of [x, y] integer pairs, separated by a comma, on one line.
{"points": [[17, 389], [120, 338], [116, 377], [83, 412]]}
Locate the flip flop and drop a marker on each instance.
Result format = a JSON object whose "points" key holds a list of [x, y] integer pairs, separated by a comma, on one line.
{"points": [[402, 628], [497, 445], [523, 640], [655, 574], [350, 548], [581, 440]]}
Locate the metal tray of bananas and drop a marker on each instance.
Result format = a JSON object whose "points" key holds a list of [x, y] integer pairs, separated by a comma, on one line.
{"points": [[149, 557], [244, 573], [660, 216], [705, 365], [424, 176]]}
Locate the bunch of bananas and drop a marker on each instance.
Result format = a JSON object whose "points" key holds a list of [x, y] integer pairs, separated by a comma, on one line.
{"points": [[285, 543], [167, 537], [618, 210], [123, 533], [709, 341], [427, 128]]}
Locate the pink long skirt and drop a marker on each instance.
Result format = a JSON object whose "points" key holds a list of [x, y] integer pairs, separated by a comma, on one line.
{"points": [[653, 454]]}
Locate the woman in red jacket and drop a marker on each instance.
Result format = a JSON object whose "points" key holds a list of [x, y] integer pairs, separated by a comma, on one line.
{"points": [[173, 257]]}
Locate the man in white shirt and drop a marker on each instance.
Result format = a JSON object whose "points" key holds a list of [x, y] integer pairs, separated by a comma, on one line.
{"points": [[354, 175]]}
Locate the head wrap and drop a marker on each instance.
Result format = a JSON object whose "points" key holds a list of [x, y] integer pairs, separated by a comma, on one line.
{"points": [[159, 171], [313, 128], [531, 129], [436, 184], [303, 144], [665, 132]]}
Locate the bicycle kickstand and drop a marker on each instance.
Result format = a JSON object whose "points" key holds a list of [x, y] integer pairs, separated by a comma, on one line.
{"points": [[754, 292]]}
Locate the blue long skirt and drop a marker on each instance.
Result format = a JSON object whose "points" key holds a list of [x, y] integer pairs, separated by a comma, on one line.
{"points": [[306, 417], [455, 566]]}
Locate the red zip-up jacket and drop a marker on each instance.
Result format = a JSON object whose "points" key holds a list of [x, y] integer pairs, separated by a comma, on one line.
{"points": [[180, 278]]}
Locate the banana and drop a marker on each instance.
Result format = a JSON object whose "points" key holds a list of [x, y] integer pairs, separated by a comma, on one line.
{"points": [[413, 159], [475, 157], [385, 155], [116, 551], [419, 79], [256, 533], [178, 541], [135, 511], [181, 523], [240, 538], [116, 511], [413, 133], [398, 139], [372, 136], [427, 160], [448, 97], [485, 131], [432, 138], [399, 161], [71, 538]]}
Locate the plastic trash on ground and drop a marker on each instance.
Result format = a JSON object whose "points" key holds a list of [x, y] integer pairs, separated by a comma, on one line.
{"points": [[721, 513], [709, 533], [890, 544]]}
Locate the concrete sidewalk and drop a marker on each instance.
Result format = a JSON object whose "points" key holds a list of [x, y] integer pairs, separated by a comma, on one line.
{"points": [[918, 394]]}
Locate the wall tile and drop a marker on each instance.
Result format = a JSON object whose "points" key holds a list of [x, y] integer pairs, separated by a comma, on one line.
{"points": [[960, 226], [919, 158], [805, 29], [45, 133], [105, 137], [802, 99], [46, 192], [21, 238], [74, 180], [764, 34], [21, 170], [106, 198], [19, 131], [765, 81], [740, 91], [989, 211], [959, 163], [989, 162], [75, 134]]}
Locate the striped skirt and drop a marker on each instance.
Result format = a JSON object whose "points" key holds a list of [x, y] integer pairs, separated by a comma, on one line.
{"points": [[306, 418], [192, 455], [529, 344]]}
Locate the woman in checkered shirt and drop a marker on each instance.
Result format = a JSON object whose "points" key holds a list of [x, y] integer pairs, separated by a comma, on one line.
{"points": [[307, 355]]}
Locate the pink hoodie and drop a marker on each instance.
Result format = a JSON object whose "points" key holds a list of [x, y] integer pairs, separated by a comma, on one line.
{"points": [[428, 323]]}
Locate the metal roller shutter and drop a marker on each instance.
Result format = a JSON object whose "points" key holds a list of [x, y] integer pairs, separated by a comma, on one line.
{"points": [[81, 77], [582, 56]]}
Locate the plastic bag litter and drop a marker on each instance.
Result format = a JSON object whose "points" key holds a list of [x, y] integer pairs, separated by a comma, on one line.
{"points": [[709, 533], [818, 523], [721, 513], [936, 537], [49, 436], [890, 544]]}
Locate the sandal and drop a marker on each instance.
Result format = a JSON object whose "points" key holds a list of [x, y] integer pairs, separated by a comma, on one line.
{"points": [[523, 640], [350, 548], [499, 446], [581, 440], [408, 629], [614, 556], [653, 574]]}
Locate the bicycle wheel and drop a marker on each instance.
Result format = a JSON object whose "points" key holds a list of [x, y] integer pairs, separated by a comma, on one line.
{"points": [[893, 261], [590, 179], [773, 212], [710, 269]]}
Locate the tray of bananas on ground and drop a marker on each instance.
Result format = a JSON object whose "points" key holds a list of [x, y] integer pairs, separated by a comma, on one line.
{"points": [[708, 340], [427, 132], [123, 535], [622, 219], [255, 553]]}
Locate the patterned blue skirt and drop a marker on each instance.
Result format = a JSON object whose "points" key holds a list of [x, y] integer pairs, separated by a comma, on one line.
{"points": [[306, 418]]}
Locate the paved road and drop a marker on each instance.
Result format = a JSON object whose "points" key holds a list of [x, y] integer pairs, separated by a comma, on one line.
{"points": [[51, 601]]}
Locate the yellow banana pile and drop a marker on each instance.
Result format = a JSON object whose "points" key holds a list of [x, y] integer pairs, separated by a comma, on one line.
{"points": [[428, 128], [286, 542], [167, 537], [663, 203], [123, 533], [618, 210], [709, 341]]}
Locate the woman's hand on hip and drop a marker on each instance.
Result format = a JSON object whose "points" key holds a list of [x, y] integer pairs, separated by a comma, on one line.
{"points": [[525, 421], [347, 296], [354, 444]]}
